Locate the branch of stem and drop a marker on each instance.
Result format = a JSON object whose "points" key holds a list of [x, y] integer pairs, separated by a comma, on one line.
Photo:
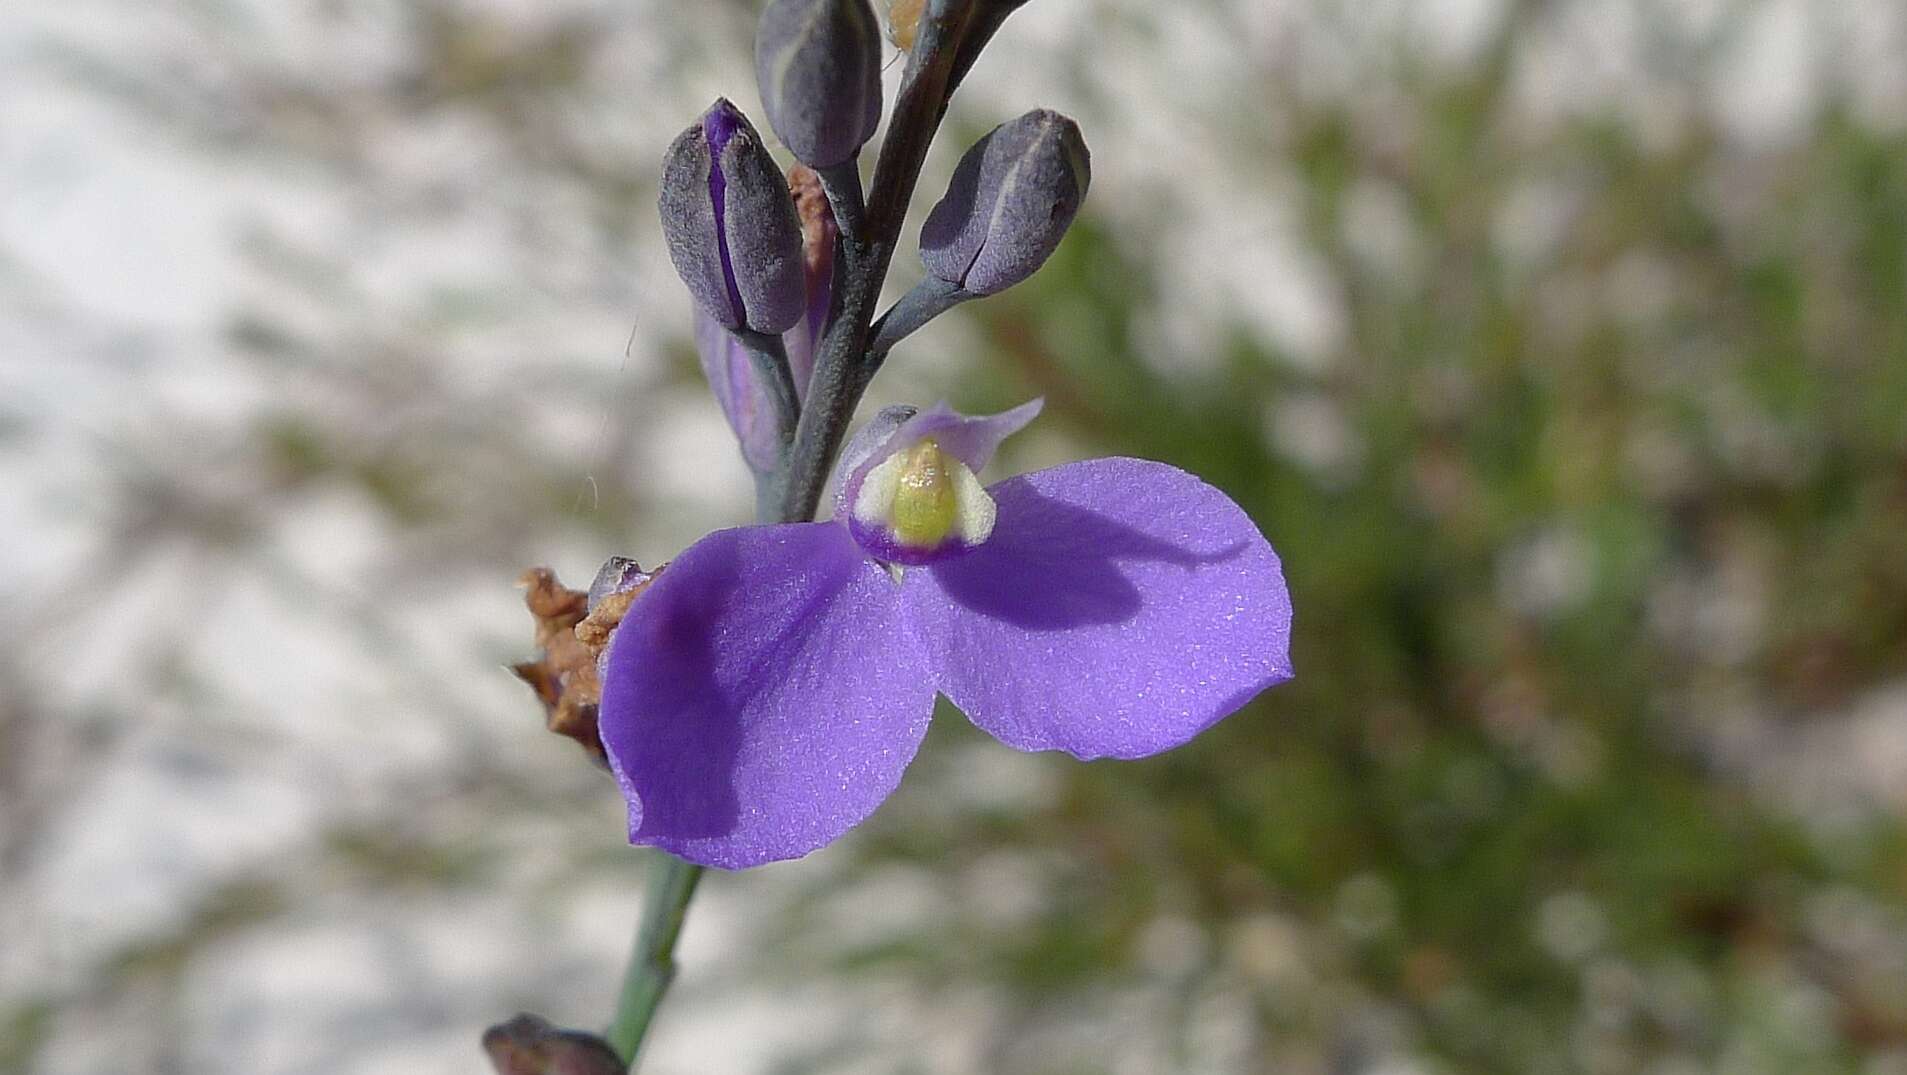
{"points": [[925, 301]]}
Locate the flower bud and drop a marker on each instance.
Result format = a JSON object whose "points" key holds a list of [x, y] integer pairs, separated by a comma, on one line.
{"points": [[1011, 199], [732, 376], [531, 1045], [818, 63], [730, 224]]}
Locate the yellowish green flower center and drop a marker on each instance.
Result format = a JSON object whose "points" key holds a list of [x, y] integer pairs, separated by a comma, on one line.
{"points": [[925, 499], [924, 508]]}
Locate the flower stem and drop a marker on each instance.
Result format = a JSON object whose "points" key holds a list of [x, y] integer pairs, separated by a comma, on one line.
{"points": [[652, 962]]}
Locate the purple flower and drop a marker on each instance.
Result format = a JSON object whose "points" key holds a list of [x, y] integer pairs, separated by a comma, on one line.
{"points": [[766, 692]]}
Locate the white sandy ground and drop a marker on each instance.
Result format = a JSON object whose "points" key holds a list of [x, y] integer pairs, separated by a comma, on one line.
{"points": [[212, 678]]}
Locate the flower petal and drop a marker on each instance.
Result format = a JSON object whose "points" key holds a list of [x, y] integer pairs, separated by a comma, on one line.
{"points": [[1120, 608], [972, 439], [744, 401], [763, 696]]}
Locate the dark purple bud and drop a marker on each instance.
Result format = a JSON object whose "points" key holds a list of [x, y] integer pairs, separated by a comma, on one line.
{"points": [[1011, 199], [731, 225], [818, 63], [529, 1045]]}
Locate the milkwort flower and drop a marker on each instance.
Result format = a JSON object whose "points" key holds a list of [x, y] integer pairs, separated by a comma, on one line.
{"points": [[767, 690]]}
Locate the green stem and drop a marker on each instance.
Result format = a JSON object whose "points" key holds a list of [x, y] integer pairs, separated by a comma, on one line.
{"points": [[652, 962]]}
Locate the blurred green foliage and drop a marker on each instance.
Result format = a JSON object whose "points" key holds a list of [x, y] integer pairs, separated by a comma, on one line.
{"points": [[1509, 822]]}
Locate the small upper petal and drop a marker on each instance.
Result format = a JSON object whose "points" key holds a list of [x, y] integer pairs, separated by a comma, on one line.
{"points": [[763, 696], [972, 439], [1119, 608]]}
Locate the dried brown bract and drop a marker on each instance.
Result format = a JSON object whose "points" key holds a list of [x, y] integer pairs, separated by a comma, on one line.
{"points": [[564, 673], [570, 639]]}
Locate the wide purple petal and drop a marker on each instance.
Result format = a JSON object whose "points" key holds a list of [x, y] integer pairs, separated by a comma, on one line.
{"points": [[762, 696], [1120, 608]]}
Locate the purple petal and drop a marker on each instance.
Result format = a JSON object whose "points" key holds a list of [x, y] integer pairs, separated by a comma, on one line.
{"points": [[972, 439], [869, 445], [744, 401], [1120, 608], [763, 696]]}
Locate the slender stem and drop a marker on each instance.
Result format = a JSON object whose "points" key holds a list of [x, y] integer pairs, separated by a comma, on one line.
{"points": [[986, 20], [652, 962], [925, 301]]}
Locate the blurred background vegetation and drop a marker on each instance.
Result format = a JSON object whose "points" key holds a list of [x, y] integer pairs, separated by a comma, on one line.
{"points": [[1560, 348]]}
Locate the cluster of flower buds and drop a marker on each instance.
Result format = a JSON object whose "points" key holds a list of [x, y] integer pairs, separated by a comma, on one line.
{"points": [[758, 268]]}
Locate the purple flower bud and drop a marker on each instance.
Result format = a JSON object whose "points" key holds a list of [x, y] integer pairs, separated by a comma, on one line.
{"points": [[818, 63], [1011, 199], [731, 375], [731, 225], [531, 1045]]}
